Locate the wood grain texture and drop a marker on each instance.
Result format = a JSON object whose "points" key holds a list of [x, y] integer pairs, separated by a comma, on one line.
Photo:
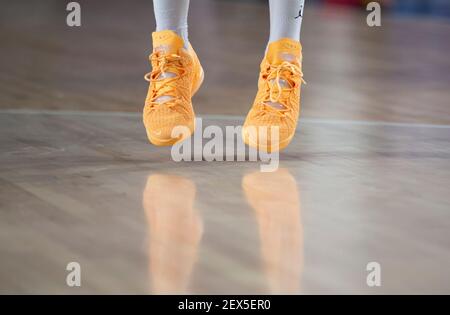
{"points": [[89, 188]]}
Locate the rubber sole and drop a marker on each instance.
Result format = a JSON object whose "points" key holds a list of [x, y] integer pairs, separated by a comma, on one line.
{"points": [[267, 148], [169, 142]]}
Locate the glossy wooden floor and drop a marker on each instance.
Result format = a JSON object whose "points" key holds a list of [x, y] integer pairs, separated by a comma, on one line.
{"points": [[89, 188], [365, 179]]}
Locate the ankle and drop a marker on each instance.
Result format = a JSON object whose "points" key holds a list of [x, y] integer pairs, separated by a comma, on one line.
{"points": [[180, 31]]}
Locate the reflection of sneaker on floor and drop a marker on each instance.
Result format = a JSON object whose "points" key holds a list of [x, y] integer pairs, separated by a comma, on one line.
{"points": [[175, 229], [277, 103], [275, 199], [176, 75]]}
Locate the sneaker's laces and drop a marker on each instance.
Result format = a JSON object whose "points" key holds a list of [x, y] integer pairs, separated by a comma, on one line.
{"points": [[275, 92], [164, 63]]}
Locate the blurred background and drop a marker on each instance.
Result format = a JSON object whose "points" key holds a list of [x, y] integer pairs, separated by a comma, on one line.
{"points": [[99, 66]]}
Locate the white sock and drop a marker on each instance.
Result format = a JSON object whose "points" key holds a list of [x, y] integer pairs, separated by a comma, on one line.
{"points": [[172, 15], [285, 19]]}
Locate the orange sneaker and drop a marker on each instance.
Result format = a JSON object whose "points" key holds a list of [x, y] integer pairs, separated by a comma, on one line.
{"points": [[176, 75], [277, 103]]}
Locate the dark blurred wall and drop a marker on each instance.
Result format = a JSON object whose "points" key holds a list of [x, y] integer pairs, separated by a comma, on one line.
{"points": [[429, 7], [437, 8]]}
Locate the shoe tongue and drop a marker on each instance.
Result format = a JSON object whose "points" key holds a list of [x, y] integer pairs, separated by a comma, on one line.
{"points": [[167, 41], [284, 49]]}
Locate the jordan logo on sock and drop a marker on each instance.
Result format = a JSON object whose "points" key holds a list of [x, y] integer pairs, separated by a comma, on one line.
{"points": [[300, 12]]}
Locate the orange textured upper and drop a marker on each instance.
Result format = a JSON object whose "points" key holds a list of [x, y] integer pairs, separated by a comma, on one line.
{"points": [[176, 75], [277, 102]]}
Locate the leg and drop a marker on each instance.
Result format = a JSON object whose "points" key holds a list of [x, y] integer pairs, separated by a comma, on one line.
{"points": [[172, 15], [277, 104], [285, 19]]}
